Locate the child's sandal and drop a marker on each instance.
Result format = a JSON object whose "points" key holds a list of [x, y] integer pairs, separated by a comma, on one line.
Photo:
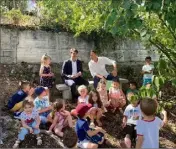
{"points": [[16, 145], [39, 141]]}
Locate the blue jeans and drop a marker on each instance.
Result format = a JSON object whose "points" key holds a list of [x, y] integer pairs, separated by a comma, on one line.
{"points": [[97, 79], [147, 81], [43, 117], [25, 131]]}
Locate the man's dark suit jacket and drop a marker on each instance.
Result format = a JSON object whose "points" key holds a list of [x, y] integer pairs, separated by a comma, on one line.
{"points": [[67, 68]]}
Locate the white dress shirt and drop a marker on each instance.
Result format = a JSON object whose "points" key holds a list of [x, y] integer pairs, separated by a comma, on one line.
{"points": [[74, 67], [99, 66]]}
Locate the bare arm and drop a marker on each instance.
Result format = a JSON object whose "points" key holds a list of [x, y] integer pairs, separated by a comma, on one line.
{"points": [[139, 141], [94, 132], [25, 125], [45, 109], [53, 123], [115, 66], [38, 121], [124, 121], [41, 73], [165, 117]]}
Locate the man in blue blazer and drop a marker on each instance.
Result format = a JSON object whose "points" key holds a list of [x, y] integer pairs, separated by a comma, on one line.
{"points": [[72, 73]]}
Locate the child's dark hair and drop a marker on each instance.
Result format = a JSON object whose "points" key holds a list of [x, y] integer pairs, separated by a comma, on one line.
{"points": [[133, 83], [70, 138], [115, 80], [27, 102], [99, 103], [148, 57], [57, 106], [148, 106], [23, 84]]}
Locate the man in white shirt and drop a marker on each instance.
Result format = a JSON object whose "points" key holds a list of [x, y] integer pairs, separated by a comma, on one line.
{"points": [[147, 71], [72, 73], [98, 70]]}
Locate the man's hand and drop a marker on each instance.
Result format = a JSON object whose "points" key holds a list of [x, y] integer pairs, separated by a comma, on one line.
{"points": [[79, 74], [73, 76]]}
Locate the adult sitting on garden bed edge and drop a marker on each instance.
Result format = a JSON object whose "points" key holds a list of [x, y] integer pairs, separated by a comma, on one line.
{"points": [[72, 73], [98, 70]]}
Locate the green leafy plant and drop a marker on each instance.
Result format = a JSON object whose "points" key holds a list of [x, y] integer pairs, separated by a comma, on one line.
{"points": [[15, 15]]}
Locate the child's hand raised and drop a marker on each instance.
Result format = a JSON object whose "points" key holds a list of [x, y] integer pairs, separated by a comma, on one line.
{"points": [[164, 112]]}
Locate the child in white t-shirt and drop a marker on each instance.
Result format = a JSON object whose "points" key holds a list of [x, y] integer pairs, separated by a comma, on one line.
{"points": [[132, 114], [147, 71], [148, 127]]}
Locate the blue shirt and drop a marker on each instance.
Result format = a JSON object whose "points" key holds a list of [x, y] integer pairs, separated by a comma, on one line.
{"points": [[41, 103], [81, 128], [16, 98]]}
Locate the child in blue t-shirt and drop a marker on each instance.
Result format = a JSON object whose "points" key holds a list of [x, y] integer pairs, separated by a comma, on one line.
{"points": [[87, 138], [42, 104]]}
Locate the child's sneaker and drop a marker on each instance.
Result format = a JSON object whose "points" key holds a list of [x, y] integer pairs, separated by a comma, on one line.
{"points": [[17, 115], [39, 141], [16, 145]]}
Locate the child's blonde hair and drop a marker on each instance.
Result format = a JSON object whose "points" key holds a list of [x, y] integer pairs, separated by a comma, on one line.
{"points": [[81, 87], [57, 106], [102, 81], [26, 102], [44, 58]]}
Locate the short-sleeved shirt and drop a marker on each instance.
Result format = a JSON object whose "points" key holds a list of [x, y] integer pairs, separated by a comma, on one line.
{"points": [[29, 118], [83, 100], [81, 129], [133, 114], [16, 98], [41, 103], [99, 66], [148, 68], [150, 132]]}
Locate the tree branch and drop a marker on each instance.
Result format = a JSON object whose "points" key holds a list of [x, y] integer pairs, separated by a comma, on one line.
{"points": [[161, 48], [170, 30]]}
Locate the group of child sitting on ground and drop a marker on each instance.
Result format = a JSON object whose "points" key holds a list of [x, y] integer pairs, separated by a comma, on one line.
{"points": [[140, 125]]}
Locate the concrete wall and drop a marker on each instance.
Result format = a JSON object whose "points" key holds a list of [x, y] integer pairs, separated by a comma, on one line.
{"points": [[131, 52], [29, 46]]}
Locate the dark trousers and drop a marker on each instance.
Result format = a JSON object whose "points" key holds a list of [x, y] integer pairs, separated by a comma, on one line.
{"points": [[97, 79], [77, 81]]}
